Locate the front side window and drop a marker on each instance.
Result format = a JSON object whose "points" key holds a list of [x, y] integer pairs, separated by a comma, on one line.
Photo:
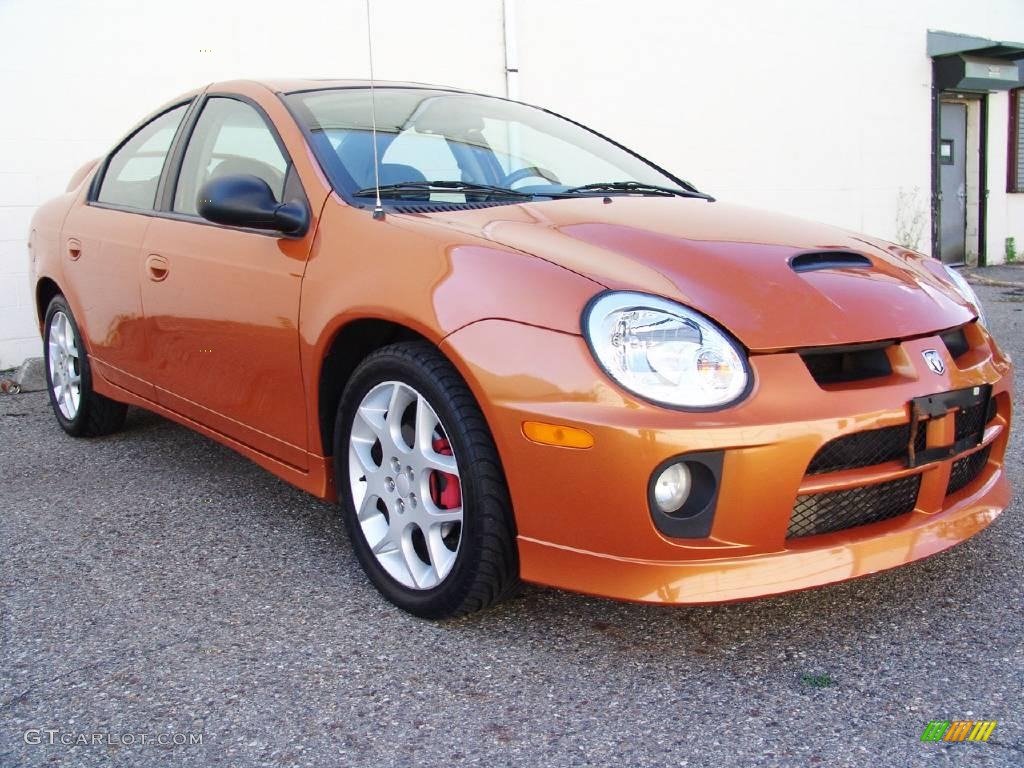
{"points": [[133, 173], [430, 135], [230, 138]]}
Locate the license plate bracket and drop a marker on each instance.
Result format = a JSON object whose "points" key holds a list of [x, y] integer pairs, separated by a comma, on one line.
{"points": [[927, 407]]}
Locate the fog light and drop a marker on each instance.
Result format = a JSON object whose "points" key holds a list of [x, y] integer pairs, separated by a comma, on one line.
{"points": [[682, 494], [672, 488]]}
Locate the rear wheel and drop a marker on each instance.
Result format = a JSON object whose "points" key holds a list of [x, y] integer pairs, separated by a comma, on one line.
{"points": [[424, 497], [79, 410]]}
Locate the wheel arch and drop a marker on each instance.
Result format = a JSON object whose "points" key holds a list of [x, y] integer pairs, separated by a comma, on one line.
{"points": [[349, 346], [46, 289]]}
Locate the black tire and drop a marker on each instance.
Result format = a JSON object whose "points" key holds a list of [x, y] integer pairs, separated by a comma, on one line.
{"points": [[96, 415], [486, 568]]}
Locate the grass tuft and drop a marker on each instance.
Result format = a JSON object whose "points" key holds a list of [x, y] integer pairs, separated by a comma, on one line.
{"points": [[818, 681]]}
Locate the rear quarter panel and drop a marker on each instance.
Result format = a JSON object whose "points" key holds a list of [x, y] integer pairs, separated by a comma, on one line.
{"points": [[46, 242]]}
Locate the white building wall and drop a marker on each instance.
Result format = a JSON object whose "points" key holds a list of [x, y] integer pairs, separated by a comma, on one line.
{"points": [[75, 76], [1015, 223], [817, 108], [999, 225]]}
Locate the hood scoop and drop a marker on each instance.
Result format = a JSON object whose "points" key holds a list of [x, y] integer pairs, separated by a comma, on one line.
{"points": [[810, 261]]}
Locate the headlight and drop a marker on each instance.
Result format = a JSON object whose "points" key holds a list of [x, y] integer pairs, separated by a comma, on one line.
{"points": [[965, 290], [665, 352]]}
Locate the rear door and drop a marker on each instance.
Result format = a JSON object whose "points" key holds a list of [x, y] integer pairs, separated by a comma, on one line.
{"points": [[102, 257], [222, 303]]}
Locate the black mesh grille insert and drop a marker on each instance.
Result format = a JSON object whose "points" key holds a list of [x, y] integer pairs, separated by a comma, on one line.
{"points": [[967, 469], [839, 510], [865, 449], [969, 421]]}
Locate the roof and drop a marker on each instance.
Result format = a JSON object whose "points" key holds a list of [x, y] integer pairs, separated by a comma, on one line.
{"points": [[291, 85]]}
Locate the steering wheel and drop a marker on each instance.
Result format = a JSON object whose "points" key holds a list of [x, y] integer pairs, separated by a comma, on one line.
{"points": [[530, 172]]}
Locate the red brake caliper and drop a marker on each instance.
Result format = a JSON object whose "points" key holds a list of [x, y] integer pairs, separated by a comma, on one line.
{"points": [[444, 488]]}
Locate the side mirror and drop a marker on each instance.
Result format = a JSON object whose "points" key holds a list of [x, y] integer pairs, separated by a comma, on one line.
{"points": [[247, 201]]}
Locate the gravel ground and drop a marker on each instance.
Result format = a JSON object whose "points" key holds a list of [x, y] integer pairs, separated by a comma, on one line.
{"points": [[156, 583]]}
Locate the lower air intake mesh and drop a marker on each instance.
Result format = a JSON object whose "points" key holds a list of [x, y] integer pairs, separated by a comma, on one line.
{"points": [[967, 469], [838, 510], [865, 449]]}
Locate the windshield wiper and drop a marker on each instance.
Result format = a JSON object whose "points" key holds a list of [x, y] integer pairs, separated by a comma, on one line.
{"points": [[468, 187], [638, 187]]}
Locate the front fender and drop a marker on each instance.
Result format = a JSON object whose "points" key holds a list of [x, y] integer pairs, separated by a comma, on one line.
{"points": [[431, 279]]}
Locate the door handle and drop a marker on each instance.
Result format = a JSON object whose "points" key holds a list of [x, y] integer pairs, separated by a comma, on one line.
{"points": [[157, 267], [74, 249]]}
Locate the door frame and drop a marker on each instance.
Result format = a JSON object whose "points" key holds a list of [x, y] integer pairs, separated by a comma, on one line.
{"points": [[937, 98]]}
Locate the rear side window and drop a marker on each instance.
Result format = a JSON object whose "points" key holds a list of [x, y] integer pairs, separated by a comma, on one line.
{"points": [[230, 138], [133, 172]]}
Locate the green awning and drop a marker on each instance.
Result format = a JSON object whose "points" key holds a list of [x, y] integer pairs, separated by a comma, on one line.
{"points": [[948, 43]]}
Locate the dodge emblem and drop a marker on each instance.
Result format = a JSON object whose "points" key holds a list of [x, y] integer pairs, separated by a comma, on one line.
{"points": [[934, 361]]}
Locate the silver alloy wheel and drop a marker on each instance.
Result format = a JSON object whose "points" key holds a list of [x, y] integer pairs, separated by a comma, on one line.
{"points": [[395, 472], [65, 365]]}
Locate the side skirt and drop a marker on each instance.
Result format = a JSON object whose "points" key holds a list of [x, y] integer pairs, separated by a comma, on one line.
{"points": [[318, 481]]}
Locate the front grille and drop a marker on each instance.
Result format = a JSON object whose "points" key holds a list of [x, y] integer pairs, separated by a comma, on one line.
{"points": [[838, 510], [956, 342], [969, 421], [967, 469], [865, 449], [850, 364]]}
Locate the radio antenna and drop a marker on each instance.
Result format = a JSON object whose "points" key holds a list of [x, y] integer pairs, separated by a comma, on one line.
{"points": [[378, 211]]}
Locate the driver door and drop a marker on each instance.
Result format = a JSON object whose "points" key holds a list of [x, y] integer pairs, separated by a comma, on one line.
{"points": [[222, 303]]}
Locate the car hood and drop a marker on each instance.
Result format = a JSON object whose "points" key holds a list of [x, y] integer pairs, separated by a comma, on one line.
{"points": [[732, 264]]}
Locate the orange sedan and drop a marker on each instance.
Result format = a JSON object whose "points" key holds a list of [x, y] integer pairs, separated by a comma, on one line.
{"points": [[516, 350]]}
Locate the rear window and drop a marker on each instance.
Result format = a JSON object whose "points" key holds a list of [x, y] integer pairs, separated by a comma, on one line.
{"points": [[133, 173]]}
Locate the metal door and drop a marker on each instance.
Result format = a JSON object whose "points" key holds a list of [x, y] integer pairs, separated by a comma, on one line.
{"points": [[953, 175]]}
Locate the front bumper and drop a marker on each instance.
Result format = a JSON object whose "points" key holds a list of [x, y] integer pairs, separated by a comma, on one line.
{"points": [[582, 515]]}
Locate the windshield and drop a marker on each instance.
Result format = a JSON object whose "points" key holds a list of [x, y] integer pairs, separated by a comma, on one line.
{"points": [[460, 139]]}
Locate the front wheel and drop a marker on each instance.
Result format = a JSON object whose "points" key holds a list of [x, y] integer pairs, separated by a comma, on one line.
{"points": [[424, 497], [80, 410]]}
